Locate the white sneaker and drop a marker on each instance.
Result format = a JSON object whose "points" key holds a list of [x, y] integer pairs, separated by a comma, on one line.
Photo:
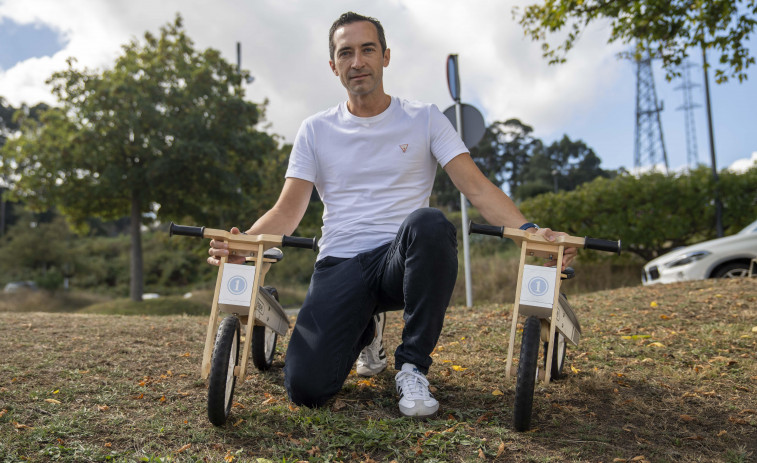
{"points": [[372, 359], [415, 398]]}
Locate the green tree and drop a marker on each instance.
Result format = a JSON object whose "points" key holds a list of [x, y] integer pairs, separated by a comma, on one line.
{"points": [[166, 133], [563, 165], [666, 28]]}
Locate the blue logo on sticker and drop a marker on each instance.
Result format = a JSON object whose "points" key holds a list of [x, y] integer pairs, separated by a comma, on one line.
{"points": [[538, 286], [237, 285]]}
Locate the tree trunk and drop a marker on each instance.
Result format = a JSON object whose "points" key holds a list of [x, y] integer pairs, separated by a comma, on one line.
{"points": [[136, 284]]}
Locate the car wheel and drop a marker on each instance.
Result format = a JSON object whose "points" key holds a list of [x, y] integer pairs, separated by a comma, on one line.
{"points": [[734, 270]]}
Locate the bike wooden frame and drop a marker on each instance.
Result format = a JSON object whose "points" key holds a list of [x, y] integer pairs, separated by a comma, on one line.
{"points": [[557, 318], [533, 245], [264, 308], [252, 247]]}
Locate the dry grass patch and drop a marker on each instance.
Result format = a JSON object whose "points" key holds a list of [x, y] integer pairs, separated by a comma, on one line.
{"points": [[663, 373]]}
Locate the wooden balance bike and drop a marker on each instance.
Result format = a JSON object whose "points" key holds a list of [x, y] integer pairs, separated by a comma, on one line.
{"points": [[550, 318], [252, 307]]}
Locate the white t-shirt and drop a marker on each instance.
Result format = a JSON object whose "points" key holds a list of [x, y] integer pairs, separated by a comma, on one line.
{"points": [[371, 172]]}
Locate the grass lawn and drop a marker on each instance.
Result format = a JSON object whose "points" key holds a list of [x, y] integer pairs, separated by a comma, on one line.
{"points": [[662, 374]]}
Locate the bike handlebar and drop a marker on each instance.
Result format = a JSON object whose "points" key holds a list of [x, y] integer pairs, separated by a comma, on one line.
{"points": [[275, 240], [186, 230], [299, 242], [599, 244], [486, 229], [571, 241]]}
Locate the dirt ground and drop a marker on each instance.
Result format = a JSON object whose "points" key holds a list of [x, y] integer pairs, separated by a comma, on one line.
{"points": [[662, 373]]}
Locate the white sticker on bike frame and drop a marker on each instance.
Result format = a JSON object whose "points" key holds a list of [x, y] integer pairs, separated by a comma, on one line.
{"points": [[236, 285]]}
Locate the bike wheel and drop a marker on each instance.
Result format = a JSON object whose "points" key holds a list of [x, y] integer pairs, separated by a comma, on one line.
{"points": [[222, 380], [264, 340], [559, 347], [527, 371]]}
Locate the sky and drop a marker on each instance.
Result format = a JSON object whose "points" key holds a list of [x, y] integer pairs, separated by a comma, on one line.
{"points": [[285, 47]]}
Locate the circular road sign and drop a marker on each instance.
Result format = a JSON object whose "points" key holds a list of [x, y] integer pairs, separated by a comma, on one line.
{"points": [[473, 123]]}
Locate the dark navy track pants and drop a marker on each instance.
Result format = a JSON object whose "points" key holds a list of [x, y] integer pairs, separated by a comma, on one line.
{"points": [[416, 272]]}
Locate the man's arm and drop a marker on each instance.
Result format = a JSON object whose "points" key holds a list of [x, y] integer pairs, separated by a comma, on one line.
{"points": [[282, 219], [493, 204]]}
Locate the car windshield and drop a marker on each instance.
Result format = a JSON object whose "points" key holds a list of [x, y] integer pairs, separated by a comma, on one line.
{"points": [[751, 228]]}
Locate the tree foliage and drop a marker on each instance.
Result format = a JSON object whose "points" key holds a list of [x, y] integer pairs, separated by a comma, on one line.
{"points": [[668, 29], [509, 154], [165, 133], [652, 213]]}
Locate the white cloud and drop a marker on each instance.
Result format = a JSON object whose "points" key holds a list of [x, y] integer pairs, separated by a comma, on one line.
{"points": [[284, 45], [743, 165]]}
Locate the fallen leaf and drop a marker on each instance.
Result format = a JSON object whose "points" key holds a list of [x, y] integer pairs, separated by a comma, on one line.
{"points": [[102, 408], [481, 454], [367, 382], [57, 391], [3, 412], [722, 433], [339, 404], [686, 418], [500, 449], [574, 369], [656, 344], [664, 317], [183, 448], [458, 368], [497, 392], [18, 425], [238, 422], [653, 304], [107, 444], [52, 401]]}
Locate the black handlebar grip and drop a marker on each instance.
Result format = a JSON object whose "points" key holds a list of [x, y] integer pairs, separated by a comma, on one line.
{"points": [[298, 242], [186, 230], [602, 245], [485, 229]]}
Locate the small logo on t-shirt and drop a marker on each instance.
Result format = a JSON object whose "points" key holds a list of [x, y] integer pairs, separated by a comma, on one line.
{"points": [[403, 147]]}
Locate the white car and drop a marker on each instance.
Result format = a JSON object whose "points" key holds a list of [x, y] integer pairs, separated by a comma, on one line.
{"points": [[728, 257]]}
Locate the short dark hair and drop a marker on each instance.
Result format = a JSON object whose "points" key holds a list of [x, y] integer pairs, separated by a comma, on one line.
{"points": [[349, 18]]}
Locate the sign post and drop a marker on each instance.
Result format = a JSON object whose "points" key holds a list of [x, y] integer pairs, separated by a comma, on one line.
{"points": [[453, 81]]}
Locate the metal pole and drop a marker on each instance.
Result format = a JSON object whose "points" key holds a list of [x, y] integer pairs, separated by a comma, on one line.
{"points": [[464, 209], [718, 204]]}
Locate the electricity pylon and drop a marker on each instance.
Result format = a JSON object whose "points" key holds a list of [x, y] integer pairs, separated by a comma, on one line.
{"points": [[649, 145]]}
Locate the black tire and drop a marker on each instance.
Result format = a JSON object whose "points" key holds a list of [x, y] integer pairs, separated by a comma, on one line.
{"points": [[733, 270], [527, 371], [264, 340], [558, 356], [222, 380]]}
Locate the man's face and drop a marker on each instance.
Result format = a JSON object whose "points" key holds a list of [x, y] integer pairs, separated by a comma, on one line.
{"points": [[358, 61]]}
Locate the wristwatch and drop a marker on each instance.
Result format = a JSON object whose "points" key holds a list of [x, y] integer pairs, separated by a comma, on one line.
{"points": [[528, 225]]}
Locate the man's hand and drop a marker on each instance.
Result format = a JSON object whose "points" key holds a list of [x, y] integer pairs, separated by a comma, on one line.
{"points": [[219, 249], [568, 254]]}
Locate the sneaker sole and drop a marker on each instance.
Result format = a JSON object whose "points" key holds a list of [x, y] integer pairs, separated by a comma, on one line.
{"points": [[367, 372], [420, 411]]}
